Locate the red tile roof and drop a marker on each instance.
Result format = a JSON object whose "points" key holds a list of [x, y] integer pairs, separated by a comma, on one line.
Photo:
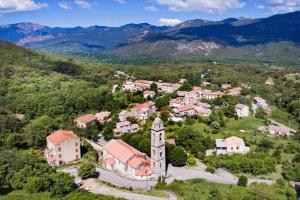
{"points": [[60, 136], [136, 161], [185, 108], [240, 106], [86, 118], [121, 150]]}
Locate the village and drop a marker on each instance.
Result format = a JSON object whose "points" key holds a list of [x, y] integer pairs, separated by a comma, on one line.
{"points": [[122, 165]]}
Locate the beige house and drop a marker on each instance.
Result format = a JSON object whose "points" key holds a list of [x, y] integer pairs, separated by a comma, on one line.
{"points": [[62, 147], [102, 117], [83, 121], [231, 145]]}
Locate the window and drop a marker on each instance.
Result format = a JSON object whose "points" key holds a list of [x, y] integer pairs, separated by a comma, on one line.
{"points": [[160, 154], [59, 149], [76, 144], [77, 157], [76, 150], [59, 155]]}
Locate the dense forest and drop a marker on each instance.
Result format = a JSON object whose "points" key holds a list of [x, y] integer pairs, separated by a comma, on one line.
{"points": [[52, 91]]}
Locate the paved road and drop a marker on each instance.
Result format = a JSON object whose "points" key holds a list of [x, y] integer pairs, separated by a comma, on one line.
{"points": [[221, 176], [92, 186]]}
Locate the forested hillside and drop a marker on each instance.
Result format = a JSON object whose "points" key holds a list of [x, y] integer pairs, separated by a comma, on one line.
{"points": [[52, 92]]}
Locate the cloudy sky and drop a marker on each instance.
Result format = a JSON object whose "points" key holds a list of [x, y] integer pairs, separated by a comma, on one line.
{"points": [[69, 13]]}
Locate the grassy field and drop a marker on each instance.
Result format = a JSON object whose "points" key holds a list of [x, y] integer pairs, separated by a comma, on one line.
{"points": [[284, 118], [198, 189]]}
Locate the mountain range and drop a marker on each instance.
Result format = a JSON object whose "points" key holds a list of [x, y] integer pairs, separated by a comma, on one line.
{"points": [[237, 38]]}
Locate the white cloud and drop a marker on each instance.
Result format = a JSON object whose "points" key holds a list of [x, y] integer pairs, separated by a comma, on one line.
{"points": [[83, 4], [65, 5], [7, 6], [120, 1], [202, 5], [282, 6], [261, 7], [151, 8], [169, 22]]}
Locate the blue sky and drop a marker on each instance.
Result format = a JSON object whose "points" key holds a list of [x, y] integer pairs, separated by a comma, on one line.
{"points": [[70, 13]]}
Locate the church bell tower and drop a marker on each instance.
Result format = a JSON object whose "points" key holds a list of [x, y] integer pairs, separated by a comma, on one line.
{"points": [[158, 149]]}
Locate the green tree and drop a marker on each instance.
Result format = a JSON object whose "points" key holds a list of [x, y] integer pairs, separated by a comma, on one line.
{"points": [[215, 126], [261, 113], [243, 181], [36, 184], [86, 170], [186, 87], [38, 129], [145, 146], [178, 157], [154, 87], [62, 184]]}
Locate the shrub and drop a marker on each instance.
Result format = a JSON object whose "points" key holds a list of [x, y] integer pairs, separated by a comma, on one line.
{"points": [[86, 170], [191, 160], [210, 169], [243, 181]]}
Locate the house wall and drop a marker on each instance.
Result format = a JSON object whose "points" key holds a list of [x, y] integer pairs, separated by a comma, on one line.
{"points": [[67, 151]]}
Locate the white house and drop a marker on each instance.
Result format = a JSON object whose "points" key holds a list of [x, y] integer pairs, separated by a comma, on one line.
{"points": [[149, 93], [241, 110], [259, 102], [62, 147], [231, 145], [124, 159]]}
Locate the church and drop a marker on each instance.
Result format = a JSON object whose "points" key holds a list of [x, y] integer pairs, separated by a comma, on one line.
{"points": [[124, 159]]}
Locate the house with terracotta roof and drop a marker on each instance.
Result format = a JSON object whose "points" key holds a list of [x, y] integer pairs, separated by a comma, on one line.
{"points": [[129, 86], [122, 158], [102, 117], [168, 87], [231, 145], [144, 110], [208, 94], [235, 91], [83, 121], [149, 93], [62, 147], [185, 110], [202, 111], [175, 103], [277, 130], [125, 127], [241, 110]]}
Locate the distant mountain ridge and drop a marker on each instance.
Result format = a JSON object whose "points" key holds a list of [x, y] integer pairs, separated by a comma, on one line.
{"points": [[193, 37]]}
